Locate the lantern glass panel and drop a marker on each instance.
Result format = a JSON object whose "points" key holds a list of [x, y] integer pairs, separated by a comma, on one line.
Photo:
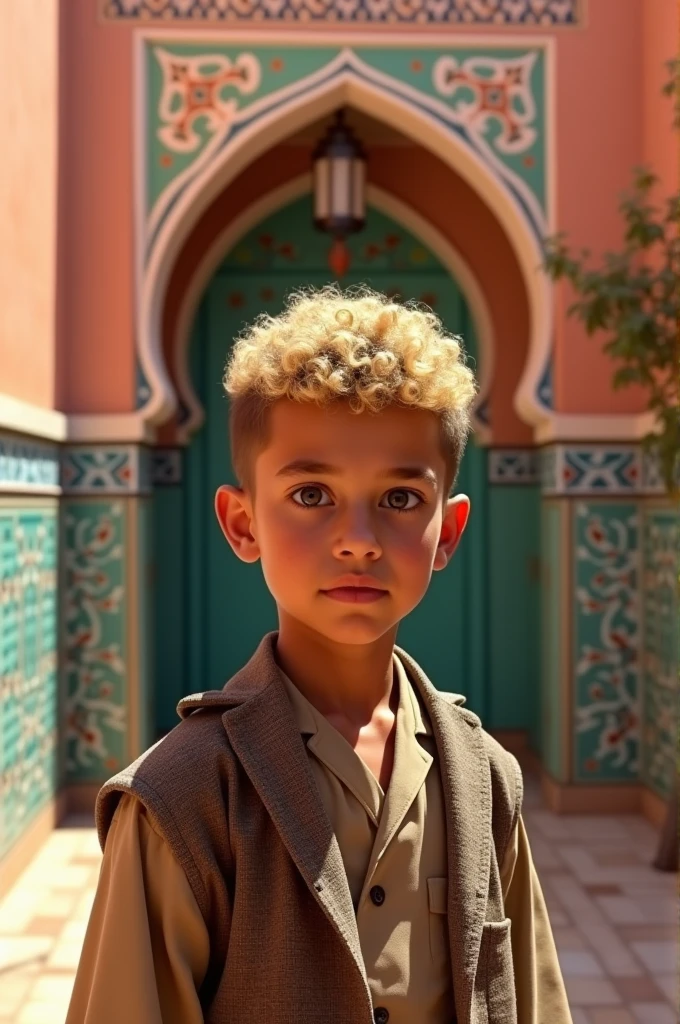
{"points": [[358, 183], [322, 189], [341, 185]]}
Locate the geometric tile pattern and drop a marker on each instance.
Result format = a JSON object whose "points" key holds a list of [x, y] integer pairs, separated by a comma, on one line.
{"points": [[94, 641], [28, 664], [606, 642], [513, 466], [166, 466], [612, 915], [590, 469], [105, 469], [660, 540], [28, 466], [381, 12]]}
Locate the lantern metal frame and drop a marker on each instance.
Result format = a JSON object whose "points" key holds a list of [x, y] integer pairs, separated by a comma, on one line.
{"points": [[339, 174]]}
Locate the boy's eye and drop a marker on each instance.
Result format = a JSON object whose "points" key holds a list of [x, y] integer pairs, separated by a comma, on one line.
{"points": [[402, 496], [310, 496]]}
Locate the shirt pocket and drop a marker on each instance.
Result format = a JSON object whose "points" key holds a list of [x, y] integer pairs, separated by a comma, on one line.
{"points": [[496, 974], [437, 895]]}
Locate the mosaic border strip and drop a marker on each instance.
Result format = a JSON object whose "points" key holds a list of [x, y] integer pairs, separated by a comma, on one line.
{"points": [[27, 466], [422, 13], [513, 466], [106, 469], [166, 467], [595, 469]]}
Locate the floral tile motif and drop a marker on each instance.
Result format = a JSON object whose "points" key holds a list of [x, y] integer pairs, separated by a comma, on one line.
{"points": [[94, 639], [28, 664], [660, 541], [606, 639], [365, 12]]}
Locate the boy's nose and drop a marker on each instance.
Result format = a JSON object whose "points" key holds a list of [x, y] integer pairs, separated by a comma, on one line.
{"points": [[357, 539]]}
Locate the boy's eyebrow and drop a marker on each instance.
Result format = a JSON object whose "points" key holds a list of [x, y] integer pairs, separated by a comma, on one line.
{"points": [[398, 472]]}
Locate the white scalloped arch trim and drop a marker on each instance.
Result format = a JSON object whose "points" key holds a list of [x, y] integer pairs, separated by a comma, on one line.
{"points": [[273, 128]]}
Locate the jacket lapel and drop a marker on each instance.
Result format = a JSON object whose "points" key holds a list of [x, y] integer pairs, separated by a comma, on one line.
{"points": [[466, 783], [261, 727]]}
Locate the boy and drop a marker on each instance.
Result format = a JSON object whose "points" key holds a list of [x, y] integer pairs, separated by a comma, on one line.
{"points": [[328, 837]]}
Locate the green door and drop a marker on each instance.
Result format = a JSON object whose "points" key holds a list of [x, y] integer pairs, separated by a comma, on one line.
{"points": [[227, 605]]}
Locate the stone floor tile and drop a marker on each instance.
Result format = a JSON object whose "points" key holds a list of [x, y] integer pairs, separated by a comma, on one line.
{"points": [[615, 955], [65, 956], [54, 988], [591, 992], [670, 986], [648, 932], [611, 1016], [14, 991], [658, 957], [638, 990], [59, 904], [569, 938], [21, 949], [654, 1013], [579, 963], [40, 925], [575, 900], [620, 910], [39, 1013], [70, 876]]}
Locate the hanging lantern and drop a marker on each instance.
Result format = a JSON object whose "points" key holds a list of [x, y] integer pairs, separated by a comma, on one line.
{"points": [[339, 167]]}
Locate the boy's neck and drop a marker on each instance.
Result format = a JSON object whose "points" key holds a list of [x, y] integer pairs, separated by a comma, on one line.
{"points": [[349, 681]]}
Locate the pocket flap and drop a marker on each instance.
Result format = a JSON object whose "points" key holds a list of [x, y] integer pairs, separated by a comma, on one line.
{"points": [[437, 891]]}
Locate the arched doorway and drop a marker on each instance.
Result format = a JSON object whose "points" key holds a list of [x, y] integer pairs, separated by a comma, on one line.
{"points": [[227, 606]]}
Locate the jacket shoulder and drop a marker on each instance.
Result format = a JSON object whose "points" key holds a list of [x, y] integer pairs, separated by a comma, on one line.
{"points": [[179, 780]]}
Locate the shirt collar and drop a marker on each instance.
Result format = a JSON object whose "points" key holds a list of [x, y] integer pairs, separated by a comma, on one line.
{"points": [[306, 714]]}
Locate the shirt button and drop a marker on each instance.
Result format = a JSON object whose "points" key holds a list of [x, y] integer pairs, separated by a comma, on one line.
{"points": [[378, 897], [381, 1015]]}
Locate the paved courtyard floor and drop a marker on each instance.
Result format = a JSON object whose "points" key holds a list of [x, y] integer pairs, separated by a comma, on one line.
{"points": [[614, 917]]}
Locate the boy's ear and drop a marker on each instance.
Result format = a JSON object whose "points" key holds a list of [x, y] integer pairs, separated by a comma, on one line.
{"points": [[234, 513], [456, 516]]}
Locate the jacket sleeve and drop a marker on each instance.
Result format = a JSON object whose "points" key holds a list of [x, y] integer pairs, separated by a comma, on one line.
{"points": [[541, 995], [146, 947]]}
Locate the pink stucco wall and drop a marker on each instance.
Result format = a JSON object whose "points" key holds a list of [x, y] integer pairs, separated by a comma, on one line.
{"points": [[602, 102], [96, 325], [28, 199], [610, 117]]}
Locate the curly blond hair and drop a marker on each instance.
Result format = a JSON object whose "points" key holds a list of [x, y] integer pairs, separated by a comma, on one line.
{"points": [[359, 346]]}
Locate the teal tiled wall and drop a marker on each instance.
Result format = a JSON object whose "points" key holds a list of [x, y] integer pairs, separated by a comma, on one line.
{"points": [[28, 662]]}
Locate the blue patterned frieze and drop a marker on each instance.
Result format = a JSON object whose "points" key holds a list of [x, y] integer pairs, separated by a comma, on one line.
{"points": [[421, 13], [105, 469], [27, 466], [606, 642], [513, 466]]}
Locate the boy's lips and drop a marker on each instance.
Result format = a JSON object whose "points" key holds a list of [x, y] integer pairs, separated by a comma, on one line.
{"points": [[360, 595], [356, 588]]}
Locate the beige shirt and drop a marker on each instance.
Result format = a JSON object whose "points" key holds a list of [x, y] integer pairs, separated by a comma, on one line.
{"points": [[145, 919]]}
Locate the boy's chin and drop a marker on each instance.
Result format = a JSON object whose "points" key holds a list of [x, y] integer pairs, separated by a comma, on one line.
{"points": [[350, 629]]}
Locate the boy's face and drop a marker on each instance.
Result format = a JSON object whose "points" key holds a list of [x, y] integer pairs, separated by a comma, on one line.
{"points": [[352, 513]]}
